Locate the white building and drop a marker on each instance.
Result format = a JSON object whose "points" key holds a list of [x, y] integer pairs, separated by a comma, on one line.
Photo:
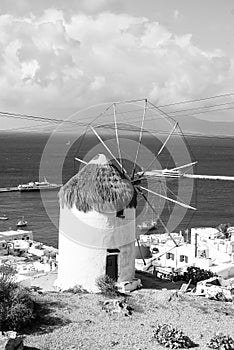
{"points": [[16, 235], [207, 252], [203, 233], [15, 240], [178, 257], [96, 227]]}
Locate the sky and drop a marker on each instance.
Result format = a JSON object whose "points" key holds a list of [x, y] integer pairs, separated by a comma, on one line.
{"points": [[60, 56]]}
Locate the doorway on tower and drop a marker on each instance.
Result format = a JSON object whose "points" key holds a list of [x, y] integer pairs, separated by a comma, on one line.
{"points": [[112, 263]]}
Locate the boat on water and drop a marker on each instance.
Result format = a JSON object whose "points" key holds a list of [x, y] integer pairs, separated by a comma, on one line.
{"points": [[38, 186], [22, 223], [3, 217]]}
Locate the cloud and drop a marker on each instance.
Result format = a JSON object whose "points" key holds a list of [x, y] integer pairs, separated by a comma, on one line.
{"points": [[176, 14], [92, 6], [29, 69], [53, 65], [24, 8]]}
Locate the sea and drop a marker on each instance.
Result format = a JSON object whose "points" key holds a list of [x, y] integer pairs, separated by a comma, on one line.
{"points": [[20, 161]]}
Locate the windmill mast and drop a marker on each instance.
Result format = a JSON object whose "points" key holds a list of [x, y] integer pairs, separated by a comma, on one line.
{"points": [[209, 177]]}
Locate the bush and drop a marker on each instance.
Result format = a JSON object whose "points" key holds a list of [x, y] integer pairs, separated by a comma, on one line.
{"points": [[16, 303], [220, 341], [107, 286], [172, 338], [195, 274], [7, 273]]}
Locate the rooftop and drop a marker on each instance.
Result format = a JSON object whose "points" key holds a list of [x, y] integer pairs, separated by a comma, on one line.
{"points": [[13, 233], [98, 186]]}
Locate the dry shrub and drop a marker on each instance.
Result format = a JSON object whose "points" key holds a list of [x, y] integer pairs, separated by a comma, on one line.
{"points": [[16, 302], [171, 337], [107, 286], [195, 274], [220, 341]]}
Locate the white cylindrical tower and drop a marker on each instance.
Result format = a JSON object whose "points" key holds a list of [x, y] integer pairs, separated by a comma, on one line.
{"points": [[96, 226]]}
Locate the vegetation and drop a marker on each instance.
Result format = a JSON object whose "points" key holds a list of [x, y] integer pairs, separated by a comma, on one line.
{"points": [[16, 303], [223, 229], [7, 273], [107, 286], [171, 337], [220, 341], [195, 274], [75, 321], [77, 289]]}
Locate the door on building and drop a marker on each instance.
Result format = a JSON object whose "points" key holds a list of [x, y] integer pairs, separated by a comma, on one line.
{"points": [[112, 266]]}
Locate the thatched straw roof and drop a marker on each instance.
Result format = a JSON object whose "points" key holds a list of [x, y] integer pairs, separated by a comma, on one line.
{"points": [[98, 186]]}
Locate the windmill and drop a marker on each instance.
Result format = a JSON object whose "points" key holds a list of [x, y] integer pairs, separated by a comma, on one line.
{"points": [[149, 148]]}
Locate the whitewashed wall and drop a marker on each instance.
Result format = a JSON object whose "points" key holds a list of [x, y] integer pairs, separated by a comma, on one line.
{"points": [[83, 242]]}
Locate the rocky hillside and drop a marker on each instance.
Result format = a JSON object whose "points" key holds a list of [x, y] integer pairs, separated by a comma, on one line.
{"points": [[79, 321]]}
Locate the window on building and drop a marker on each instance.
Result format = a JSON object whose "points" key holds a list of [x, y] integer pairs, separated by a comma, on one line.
{"points": [[170, 256], [184, 258]]}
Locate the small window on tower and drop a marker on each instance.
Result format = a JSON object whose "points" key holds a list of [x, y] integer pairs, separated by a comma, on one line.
{"points": [[120, 214]]}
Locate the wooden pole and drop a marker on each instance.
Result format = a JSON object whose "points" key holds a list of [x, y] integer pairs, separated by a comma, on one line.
{"points": [[196, 234], [140, 251]]}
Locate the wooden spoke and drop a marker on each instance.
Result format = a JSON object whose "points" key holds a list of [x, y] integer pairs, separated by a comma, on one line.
{"points": [[168, 199], [108, 150], [168, 189], [140, 139], [140, 251], [183, 166], [167, 139], [117, 136], [162, 223], [163, 146], [209, 177], [80, 160]]}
